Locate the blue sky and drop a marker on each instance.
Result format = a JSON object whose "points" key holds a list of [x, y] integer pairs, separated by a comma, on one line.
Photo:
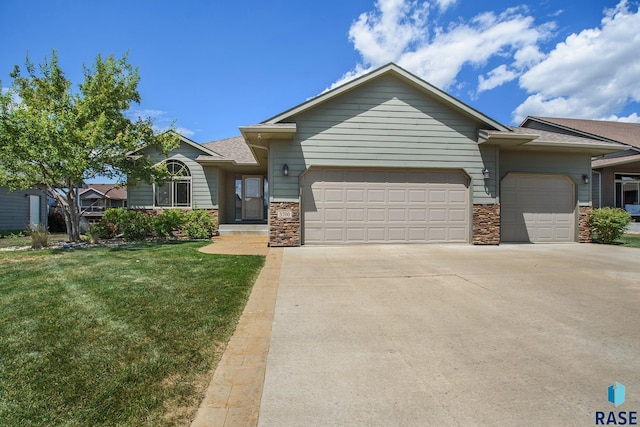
{"points": [[213, 66]]}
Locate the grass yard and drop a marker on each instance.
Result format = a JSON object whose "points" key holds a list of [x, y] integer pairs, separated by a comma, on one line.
{"points": [[123, 336], [15, 240], [630, 240]]}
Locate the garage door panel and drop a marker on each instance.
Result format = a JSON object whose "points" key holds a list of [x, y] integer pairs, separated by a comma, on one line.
{"points": [[397, 215], [354, 215], [334, 215], [397, 196], [537, 208], [457, 234], [385, 206], [376, 196], [417, 215], [333, 195], [437, 196], [437, 215], [355, 195], [458, 215], [397, 234], [417, 196], [374, 215]]}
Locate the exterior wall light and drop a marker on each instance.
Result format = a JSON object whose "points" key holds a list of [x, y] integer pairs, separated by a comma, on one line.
{"points": [[485, 173], [285, 170], [585, 178]]}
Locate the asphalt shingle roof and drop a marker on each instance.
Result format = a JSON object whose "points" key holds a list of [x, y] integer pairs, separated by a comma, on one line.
{"points": [[109, 190], [235, 149], [627, 133]]}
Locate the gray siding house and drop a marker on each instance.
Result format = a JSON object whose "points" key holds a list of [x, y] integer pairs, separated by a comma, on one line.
{"points": [[615, 179], [21, 209], [387, 158]]}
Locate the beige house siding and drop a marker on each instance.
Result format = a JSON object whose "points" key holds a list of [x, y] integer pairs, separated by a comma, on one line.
{"points": [[384, 123]]}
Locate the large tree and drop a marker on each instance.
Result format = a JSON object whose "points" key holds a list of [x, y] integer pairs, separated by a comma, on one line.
{"points": [[56, 138]]}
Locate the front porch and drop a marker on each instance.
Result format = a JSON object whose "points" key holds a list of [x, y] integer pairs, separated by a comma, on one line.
{"points": [[243, 229], [244, 201]]}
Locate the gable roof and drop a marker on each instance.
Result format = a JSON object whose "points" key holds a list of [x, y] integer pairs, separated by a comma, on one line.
{"points": [[232, 149], [396, 71], [625, 133], [109, 191]]}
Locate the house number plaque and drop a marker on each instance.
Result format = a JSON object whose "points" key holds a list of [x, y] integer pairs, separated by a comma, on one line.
{"points": [[285, 214]]}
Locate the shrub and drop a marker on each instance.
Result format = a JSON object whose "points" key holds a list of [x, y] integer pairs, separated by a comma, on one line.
{"points": [[167, 222], [111, 223], [199, 224], [92, 235], [39, 236], [136, 225], [13, 234], [609, 224]]}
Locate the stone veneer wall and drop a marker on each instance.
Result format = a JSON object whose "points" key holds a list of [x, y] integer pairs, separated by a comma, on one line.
{"points": [[486, 224], [284, 230], [584, 230]]}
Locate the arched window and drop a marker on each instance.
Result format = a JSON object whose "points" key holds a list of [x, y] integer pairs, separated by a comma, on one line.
{"points": [[175, 193]]}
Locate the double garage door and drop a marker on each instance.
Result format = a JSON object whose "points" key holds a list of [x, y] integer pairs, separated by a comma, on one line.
{"points": [[350, 206], [537, 208]]}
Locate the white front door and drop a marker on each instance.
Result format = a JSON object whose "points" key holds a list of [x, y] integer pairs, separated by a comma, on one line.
{"points": [[252, 197], [34, 210]]}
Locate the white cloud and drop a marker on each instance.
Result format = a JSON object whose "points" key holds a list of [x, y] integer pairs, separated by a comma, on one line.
{"points": [[185, 131], [631, 118], [592, 74], [160, 121], [446, 4], [399, 31], [497, 77]]}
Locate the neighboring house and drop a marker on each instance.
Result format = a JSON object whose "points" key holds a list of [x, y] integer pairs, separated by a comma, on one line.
{"points": [[616, 176], [96, 198], [386, 158], [22, 209]]}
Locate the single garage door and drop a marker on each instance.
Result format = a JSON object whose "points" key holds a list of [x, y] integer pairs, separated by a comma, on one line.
{"points": [[349, 206], [537, 208]]}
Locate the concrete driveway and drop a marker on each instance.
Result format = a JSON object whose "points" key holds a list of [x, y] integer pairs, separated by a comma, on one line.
{"points": [[416, 335]]}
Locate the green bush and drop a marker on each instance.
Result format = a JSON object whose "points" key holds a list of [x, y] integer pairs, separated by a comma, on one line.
{"points": [[13, 234], [92, 236], [199, 224], [136, 225], [167, 222], [609, 224], [110, 225]]}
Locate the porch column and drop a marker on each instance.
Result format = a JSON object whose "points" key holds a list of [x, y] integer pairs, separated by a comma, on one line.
{"points": [[584, 230], [486, 224], [284, 224]]}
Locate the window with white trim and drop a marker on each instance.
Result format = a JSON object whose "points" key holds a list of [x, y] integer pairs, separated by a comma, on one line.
{"points": [[176, 192]]}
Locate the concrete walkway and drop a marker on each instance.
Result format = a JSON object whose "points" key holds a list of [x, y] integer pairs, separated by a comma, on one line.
{"points": [[233, 396]]}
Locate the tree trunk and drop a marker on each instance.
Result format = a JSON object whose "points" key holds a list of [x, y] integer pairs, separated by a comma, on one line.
{"points": [[73, 215]]}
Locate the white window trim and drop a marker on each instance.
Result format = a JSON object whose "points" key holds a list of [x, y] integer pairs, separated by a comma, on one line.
{"points": [[620, 181], [173, 181]]}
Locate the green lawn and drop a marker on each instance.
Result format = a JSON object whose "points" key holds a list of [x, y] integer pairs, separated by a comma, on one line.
{"points": [[15, 240], [630, 240], [122, 336]]}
